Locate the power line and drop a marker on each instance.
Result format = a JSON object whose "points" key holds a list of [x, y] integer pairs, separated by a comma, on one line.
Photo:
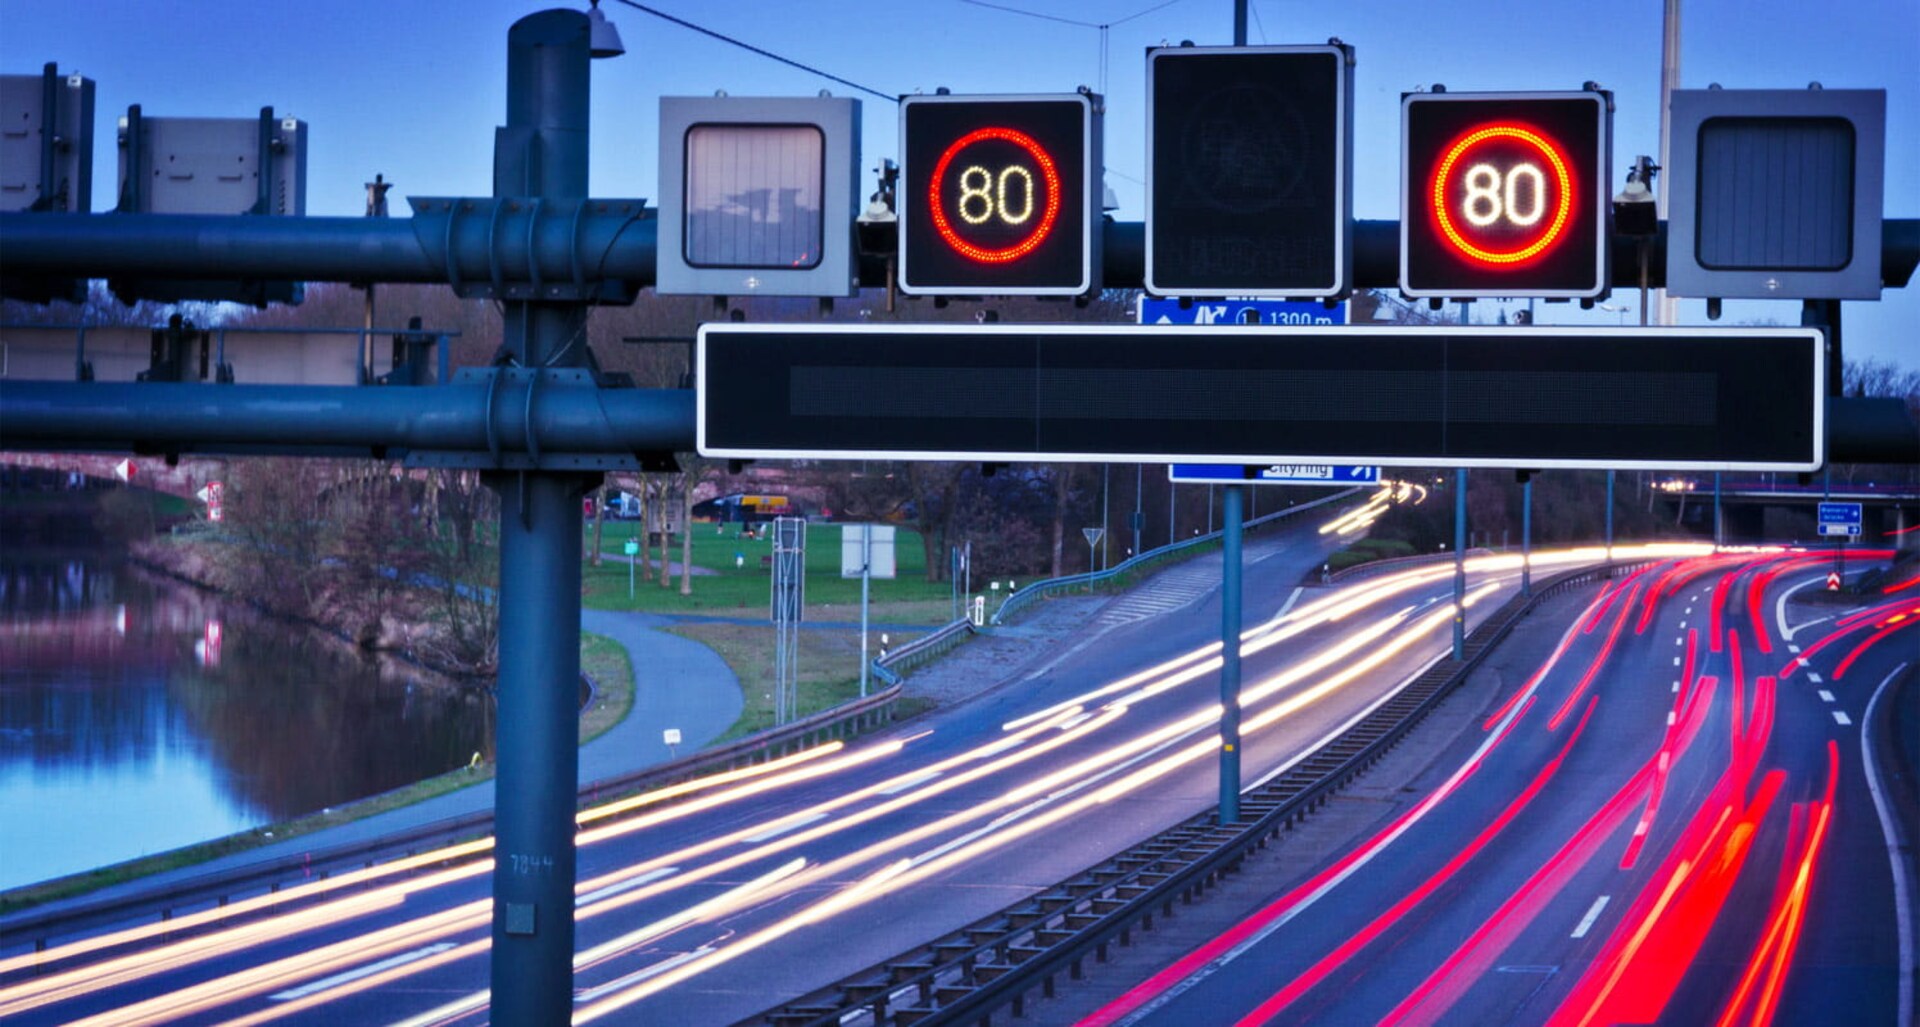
{"points": [[790, 62]]}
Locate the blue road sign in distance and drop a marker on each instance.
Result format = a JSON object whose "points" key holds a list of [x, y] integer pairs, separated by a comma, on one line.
{"points": [[1152, 311], [1840, 519], [1275, 474]]}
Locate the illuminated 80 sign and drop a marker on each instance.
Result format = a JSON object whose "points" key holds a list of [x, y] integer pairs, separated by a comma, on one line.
{"points": [[1505, 194], [997, 195]]}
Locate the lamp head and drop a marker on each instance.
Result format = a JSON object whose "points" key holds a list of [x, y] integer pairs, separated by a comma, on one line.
{"points": [[603, 39]]}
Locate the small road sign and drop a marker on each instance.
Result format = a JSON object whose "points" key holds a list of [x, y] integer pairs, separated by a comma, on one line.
{"points": [[631, 546], [1840, 519], [1833, 581], [1093, 535], [1153, 311], [1273, 474]]}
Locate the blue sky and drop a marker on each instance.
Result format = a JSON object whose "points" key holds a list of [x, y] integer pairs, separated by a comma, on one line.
{"points": [[413, 89]]}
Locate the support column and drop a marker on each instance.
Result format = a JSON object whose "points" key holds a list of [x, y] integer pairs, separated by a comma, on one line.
{"points": [[1460, 564], [540, 153], [1526, 533], [537, 742], [1230, 658]]}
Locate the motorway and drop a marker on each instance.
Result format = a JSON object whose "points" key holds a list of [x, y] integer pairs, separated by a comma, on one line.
{"points": [[1672, 821], [711, 901]]}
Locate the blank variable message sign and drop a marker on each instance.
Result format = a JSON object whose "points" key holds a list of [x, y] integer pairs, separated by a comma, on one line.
{"points": [[1688, 398]]}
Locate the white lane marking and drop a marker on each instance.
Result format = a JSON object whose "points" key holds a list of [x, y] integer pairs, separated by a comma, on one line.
{"points": [[790, 824], [1681, 640], [1896, 846], [1676, 686], [1593, 913], [915, 781], [1683, 623], [1288, 605], [1669, 718], [1842, 718], [1676, 661], [589, 994], [1419, 813], [1689, 609], [1826, 696], [1811, 676], [1780, 611], [1793, 648], [626, 886], [350, 976]]}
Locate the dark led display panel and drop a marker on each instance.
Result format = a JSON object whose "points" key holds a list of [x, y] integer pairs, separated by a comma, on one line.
{"points": [[1505, 194], [1681, 398], [999, 195], [1249, 171]]}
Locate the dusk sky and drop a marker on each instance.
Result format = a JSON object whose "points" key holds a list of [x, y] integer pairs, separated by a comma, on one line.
{"points": [[413, 89]]}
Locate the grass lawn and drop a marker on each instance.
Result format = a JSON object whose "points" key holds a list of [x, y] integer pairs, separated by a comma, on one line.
{"points": [[827, 667], [745, 588]]}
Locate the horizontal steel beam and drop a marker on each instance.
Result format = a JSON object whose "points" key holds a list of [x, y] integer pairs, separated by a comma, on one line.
{"points": [[494, 424], [612, 241], [568, 422]]}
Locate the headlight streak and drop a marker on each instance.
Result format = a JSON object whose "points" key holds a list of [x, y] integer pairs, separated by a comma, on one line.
{"points": [[305, 919], [121, 970], [1326, 610], [728, 901], [1001, 833]]}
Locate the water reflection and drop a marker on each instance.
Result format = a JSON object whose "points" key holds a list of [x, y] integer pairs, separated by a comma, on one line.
{"points": [[137, 715]]}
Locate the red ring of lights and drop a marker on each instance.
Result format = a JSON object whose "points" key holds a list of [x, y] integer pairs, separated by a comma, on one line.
{"points": [[1047, 216], [1563, 211]]}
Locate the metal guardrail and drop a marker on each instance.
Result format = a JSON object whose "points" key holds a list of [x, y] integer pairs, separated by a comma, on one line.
{"points": [[966, 976], [1019, 600], [63, 917], [890, 668]]}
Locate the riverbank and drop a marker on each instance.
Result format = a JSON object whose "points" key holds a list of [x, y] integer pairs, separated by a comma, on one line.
{"points": [[604, 661]]}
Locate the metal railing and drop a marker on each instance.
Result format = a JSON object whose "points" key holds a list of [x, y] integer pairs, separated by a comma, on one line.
{"points": [[269, 875], [966, 976], [1020, 600], [891, 667]]}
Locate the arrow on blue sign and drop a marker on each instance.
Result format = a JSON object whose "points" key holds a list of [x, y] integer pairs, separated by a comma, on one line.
{"points": [[1153, 311], [1274, 474]]}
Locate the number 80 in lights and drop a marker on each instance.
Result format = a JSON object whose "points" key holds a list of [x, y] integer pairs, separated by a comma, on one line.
{"points": [[999, 195], [1505, 194]]}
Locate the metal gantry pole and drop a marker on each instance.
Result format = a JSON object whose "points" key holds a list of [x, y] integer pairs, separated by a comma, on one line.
{"points": [[542, 153], [1230, 658], [866, 584], [1460, 564], [1610, 476], [1718, 537], [1139, 513], [1526, 533]]}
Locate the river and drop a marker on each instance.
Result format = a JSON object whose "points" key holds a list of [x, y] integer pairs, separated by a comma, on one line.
{"points": [[139, 714]]}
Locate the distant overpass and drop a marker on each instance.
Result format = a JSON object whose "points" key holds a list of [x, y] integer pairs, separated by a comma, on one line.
{"points": [[1758, 509]]}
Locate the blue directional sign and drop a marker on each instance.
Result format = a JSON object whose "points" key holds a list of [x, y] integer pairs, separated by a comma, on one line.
{"points": [[1273, 474], [1153, 311], [1839, 519]]}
